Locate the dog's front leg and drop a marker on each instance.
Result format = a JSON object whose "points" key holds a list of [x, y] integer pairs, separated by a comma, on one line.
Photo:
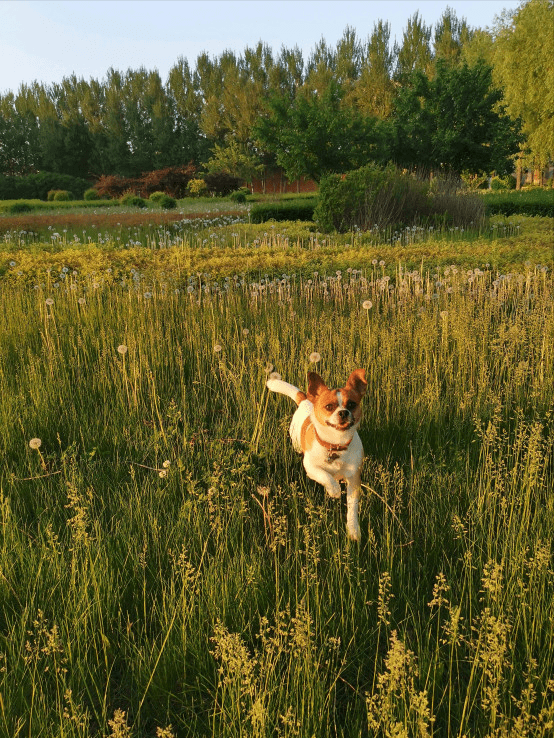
{"points": [[332, 487], [353, 492]]}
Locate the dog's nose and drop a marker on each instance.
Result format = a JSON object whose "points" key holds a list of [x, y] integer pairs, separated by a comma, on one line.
{"points": [[343, 414]]}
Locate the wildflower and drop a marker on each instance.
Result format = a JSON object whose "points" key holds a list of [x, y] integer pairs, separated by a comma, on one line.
{"points": [[263, 491], [381, 263], [218, 347], [162, 473], [35, 443], [367, 304], [49, 301], [314, 357], [122, 349]]}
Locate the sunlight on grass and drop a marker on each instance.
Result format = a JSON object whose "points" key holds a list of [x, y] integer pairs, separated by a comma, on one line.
{"points": [[165, 566]]}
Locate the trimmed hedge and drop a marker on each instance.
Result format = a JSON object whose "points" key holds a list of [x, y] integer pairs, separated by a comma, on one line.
{"points": [[512, 207], [37, 186], [283, 210]]}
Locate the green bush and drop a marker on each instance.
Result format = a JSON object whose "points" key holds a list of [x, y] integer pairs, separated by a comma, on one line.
{"points": [[238, 196], [19, 207], [503, 183], [91, 194], [59, 196], [197, 188], [371, 196], [167, 202], [157, 196], [283, 210], [37, 186], [133, 201]]}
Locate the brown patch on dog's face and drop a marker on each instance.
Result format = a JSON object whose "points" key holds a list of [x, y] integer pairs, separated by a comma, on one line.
{"points": [[339, 409]]}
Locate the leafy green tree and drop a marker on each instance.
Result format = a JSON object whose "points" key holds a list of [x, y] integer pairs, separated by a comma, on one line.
{"points": [[415, 52], [522, 56], [453, 122], [315, 135], [451, 34], [19, 153], [374, 90]]}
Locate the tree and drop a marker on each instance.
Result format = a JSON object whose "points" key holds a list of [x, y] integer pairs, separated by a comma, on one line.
{"points": [[314, 135], [374, 90], [415, 52], [454, 122], [522, 56], [450, 36]]}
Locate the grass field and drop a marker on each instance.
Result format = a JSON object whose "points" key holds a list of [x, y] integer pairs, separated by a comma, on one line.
{"points": [[166, 569]]}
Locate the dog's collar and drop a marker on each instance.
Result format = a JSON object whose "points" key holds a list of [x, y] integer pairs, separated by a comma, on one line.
{"points": [[331, 447]]}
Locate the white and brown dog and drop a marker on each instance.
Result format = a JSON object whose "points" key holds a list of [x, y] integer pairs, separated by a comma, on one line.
{"points": [[324, 430]]}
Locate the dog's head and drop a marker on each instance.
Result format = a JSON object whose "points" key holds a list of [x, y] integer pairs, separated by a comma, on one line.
{"points": [[337, 408]]}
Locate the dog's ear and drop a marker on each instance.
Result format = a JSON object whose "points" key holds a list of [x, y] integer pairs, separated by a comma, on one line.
{"points": [[357, 382], [316, 385]]}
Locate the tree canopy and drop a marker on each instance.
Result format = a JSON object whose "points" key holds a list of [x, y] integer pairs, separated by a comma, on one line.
{"points": [[428, 101]]}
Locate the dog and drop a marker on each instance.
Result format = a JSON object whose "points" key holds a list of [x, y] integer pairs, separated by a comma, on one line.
{"points": [[324, 430]]}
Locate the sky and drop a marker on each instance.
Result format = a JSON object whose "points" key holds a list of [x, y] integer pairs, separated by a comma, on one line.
{"points": [[47, 40]]}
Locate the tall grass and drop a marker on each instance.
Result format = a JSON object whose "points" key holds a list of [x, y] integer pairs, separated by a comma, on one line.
{"points": [[166, 569]]}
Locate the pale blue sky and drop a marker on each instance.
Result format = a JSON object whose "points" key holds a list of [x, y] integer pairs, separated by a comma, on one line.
{"points": [[46, 40]]}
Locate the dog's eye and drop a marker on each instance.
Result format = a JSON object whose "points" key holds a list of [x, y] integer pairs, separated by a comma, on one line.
{"points": [[350, 405], [330, 407]]}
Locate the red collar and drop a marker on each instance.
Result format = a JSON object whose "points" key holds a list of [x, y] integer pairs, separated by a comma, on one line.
{"points": [[331, 446]]}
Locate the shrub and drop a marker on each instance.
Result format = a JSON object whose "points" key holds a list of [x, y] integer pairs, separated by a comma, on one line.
{"points": [[221, 183], [59, 196], [91, 194], [37, 186], [283, 210], [503, 183], [197, 187], [19, 207], [131, 200], [167, 202], [237, 196], [157, 196], [380, 197], [371, 196]]}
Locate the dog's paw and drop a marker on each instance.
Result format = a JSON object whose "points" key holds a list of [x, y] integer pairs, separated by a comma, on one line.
{"points": [[354, 532], [334, 491]]}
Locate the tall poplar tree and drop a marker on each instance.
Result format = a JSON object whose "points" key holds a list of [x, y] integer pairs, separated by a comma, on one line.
{"points": [[522, 55]]}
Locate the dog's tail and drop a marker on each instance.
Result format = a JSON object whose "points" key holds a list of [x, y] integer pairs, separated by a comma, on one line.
{"points": [[284, 388]]}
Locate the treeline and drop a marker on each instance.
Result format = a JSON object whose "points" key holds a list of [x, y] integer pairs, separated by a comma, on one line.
{"points": [[442, 97]]}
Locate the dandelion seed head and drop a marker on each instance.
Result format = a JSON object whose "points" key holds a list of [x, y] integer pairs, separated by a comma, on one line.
{"points": [[275, 375], [35, 443], [162, 473], [263, 491], [122, 349], [314, 357], [166, 464], [367, 304], [49, 301], [218, 347]]}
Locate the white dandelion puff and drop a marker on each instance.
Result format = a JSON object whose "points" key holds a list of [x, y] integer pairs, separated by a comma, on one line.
{"points": [[49, 301], [122, 349], [314, 357], [275, 375], [367, 304], [166, 464], [217, 348], [35, 443], [162, 473]]}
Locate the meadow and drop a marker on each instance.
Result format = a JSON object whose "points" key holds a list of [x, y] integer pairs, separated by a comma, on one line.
{"points": [[167, 570]]}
